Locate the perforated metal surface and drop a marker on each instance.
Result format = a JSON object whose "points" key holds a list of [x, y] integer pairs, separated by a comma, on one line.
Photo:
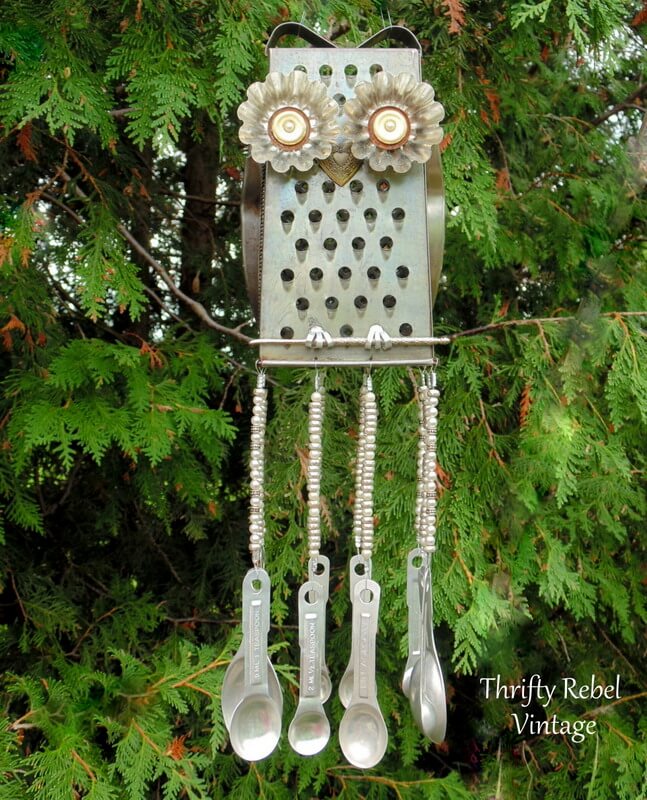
{"points": [[349, 257]]}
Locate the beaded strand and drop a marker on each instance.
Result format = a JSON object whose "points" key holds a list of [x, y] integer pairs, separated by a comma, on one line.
{"points": [[257, 473], [313, 478], [429, 402], [359, 469], [368, 469]]}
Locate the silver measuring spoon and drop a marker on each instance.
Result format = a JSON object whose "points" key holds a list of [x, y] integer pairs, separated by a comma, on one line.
{"points": [[233, 685], [346, 684], [427, 695], [363, 736], [415, 615], [319, 571], [309, 730], [256, 723]]}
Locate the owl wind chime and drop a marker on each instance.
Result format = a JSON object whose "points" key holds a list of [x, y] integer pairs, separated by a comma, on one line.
{"points": [[343, 227]]}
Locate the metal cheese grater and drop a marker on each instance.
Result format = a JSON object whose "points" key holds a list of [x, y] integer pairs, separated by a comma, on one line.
{"points": [[343, 228], [343, 247]]}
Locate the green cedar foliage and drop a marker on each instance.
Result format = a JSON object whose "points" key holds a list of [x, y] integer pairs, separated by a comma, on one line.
{"points": [[124, 414]]}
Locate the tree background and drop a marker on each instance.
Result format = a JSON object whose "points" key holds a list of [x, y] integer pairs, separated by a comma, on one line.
{"points": [[126, 380]]}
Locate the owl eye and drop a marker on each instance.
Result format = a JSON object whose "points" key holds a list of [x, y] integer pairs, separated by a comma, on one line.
{"points": [[289, 121], [389, 127], [393, 121], [289, 128]]}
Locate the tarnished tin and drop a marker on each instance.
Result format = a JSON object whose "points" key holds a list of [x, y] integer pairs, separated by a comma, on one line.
{"points": [[347, 254]]}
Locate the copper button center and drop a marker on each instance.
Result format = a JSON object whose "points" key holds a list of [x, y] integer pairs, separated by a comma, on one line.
{"points": [[289, 128], [389, 127]]}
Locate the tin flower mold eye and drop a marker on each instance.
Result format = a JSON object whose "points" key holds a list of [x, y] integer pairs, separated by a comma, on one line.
{"points": [[289, 121], [393, 121]]}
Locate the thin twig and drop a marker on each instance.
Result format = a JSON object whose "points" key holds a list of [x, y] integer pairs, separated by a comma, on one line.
{"points": [[84, 764], [627, 102], [510, 323], [198, 309]]}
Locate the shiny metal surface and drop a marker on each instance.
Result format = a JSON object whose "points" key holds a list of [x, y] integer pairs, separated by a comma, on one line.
{"points": [[309, 730], [414, 565], [363, 735], [359, 570], [256, 723], [322, 232]]}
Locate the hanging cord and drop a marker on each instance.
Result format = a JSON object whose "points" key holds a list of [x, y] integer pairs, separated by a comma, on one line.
{"points": [[423, 392], [256, 474], [427, 486], [368, 469], [313, 478], [359, 467]]}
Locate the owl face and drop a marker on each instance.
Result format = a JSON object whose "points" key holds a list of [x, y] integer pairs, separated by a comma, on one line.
{"points": [[347, 137]]}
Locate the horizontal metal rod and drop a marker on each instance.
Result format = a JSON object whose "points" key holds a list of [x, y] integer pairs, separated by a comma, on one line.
{"points": [[277, 362], [353, 341]]}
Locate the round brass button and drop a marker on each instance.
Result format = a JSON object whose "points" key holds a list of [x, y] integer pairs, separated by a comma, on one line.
{"points": [[389, 127], [289, 128]]}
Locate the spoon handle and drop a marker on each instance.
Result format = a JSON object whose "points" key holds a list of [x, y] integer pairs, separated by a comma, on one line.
{"points": [[347, 681], [366, 608], [322, 579], [256, 626], [311, 618], [413, 602]]}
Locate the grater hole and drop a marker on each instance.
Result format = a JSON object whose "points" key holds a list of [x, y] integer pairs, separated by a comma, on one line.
{"points": [[301, 187], [301, 245], [360, 301], [398, 214], [340, 100], [386, 243], [405, 329], [287, 275], [316, 274], [389, 301], [350, 70], [300, 68], [332, 303], [345, 273], [328, 187], [287, 332], [356, 186], [375, 68], [358, 243], [302, 304], [402, 272], [383, 185], [343, 215], [287, 217], [373, 273], [346, 330], [314, 216], [330, 244], [325, 70], [370, 215]]}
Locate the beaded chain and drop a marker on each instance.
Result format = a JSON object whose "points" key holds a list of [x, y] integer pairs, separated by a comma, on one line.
{"points": [[426, 500], [359, 469], [365, 470], [256, 473], [315, 426]]}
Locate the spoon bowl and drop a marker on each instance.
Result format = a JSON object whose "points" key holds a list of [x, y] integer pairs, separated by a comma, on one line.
{"points": [[364, 735], [309, 730], [255, 727], [233, 686]]}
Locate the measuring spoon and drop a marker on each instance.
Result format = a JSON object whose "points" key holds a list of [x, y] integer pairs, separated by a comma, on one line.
{"points": [[362, 734], [256, 723], [319, 571], [427, 694], [309, 730], [415, 615], [233, 685], [345, 690]]}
